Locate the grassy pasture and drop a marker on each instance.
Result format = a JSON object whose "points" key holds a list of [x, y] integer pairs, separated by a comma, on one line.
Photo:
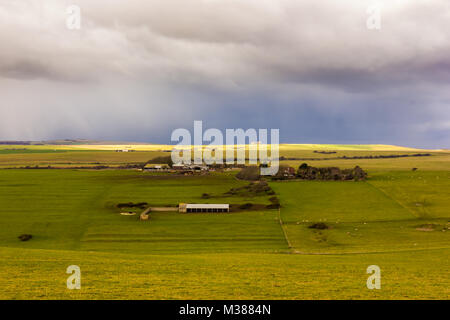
{"points": [[70, 209], [438, 161], [397, 219], [75, 158], [392, 203], [40, 274]]}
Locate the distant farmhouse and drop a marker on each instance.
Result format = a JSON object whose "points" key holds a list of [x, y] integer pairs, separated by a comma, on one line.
{"points": [[158, 164], [156, 167], [287, 171], [200, 207], [185, 167]]}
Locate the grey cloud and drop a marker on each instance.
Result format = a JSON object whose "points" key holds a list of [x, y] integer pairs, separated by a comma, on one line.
{"points": [[25, 70], [293, 64], [233, 39]]}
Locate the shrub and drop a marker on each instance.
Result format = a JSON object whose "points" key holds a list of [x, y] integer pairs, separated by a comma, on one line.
{"points": [[140, 205], [161, 160], [274, 200], [249, 173], [319, 226], [245, 206], [273, 206], [25, 237], [303, 166]]}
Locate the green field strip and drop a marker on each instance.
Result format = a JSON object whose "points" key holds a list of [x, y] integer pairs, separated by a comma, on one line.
{"points": [[372, 252], [40, 274], [283, 229], [394, 200]]}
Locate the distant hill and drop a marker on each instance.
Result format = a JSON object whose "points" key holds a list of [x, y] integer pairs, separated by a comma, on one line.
{"points": [[70, 142], [142, 146]]}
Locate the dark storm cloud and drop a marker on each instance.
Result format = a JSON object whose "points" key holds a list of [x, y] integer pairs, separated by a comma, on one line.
{"points": [[25, 70], [137, 70]]}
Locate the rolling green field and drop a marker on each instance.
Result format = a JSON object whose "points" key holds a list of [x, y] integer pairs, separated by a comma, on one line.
{"points": [[398, 219]]}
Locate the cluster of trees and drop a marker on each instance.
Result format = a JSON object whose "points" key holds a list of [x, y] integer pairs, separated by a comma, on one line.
{"points": [[255, 188], [330, 173], [306, 172], [250, 173], [161, 160], [387, 156]]}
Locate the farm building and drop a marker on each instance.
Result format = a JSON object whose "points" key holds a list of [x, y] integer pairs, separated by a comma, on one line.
{"points": [[288, 171], [156, 167], [201, 207], [186, 167], [179, 167]]}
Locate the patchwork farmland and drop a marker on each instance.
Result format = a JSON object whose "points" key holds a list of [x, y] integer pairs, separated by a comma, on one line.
{"points": [[66, 197]]}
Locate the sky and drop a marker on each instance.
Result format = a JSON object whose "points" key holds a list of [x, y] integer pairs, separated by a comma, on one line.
{"points": [[137, 70]]}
